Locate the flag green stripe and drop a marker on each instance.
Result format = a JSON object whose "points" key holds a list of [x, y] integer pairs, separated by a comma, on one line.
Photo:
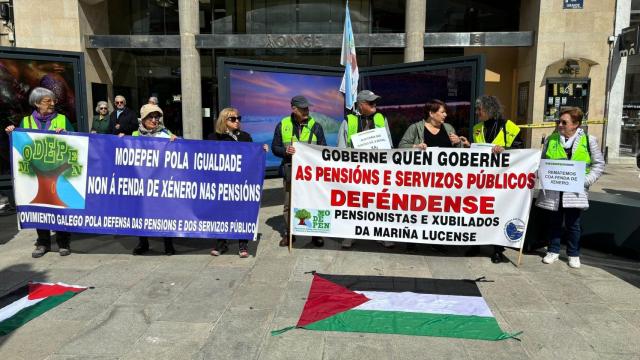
{"points": [[410, 323], [25, 315]]}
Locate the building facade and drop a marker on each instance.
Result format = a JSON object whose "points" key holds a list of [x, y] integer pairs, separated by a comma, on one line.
{"points": [[540, 55]]}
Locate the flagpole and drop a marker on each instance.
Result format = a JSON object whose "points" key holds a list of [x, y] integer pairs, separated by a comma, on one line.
{"points": [[290, 209]]}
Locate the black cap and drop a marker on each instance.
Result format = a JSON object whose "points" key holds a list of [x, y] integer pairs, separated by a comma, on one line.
{"points": [[300, 101]]}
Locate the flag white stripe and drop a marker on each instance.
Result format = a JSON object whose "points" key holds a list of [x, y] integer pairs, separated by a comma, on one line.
{"points": [[13, 308], [425, 303]]}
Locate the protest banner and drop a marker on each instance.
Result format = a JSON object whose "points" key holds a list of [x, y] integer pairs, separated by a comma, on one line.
{"points": [[437, 196], [137, 185], [562, 175]]}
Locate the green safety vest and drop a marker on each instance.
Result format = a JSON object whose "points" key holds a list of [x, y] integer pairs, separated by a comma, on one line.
{"points": [[164, 133], [59, 121], [286, 129], [352, 122], [555, 151], [512, 132]]}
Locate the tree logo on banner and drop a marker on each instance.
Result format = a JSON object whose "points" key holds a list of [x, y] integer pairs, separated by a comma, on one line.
{"points": [[49, 159], [313, 220], [514, 229]]}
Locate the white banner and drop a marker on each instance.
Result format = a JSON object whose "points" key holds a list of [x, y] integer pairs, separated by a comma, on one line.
{"points": [[562, 175], [438, 196]]}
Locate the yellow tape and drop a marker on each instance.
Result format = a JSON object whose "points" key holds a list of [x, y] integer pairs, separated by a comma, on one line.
{"points": [[551, 124]]}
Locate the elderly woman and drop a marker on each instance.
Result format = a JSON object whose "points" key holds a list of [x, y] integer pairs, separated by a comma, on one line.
{"points": [[433, 131], [100, 123], [494, 129], [228, 129], [45, 117], [151, 125], [569, 142]]}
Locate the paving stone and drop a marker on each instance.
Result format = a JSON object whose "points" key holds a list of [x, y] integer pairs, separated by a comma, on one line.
{"points": [[37, 339], [237, 335], [206, 297], [110, 334], [258, 295], [514, 293], [169, 340], [619, 295]]}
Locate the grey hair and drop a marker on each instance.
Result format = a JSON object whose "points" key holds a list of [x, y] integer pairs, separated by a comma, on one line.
{"points": [[153, 100], [100, 103], [39, 93], [121, 97], [491, 105]]}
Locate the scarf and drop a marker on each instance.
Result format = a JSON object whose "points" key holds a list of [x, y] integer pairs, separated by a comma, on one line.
{"points": [[234, 136], [568, 143], [146, 132], [43, 119]]}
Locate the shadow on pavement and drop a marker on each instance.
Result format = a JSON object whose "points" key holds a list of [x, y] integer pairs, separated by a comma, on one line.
{"points": [[9, 226]]}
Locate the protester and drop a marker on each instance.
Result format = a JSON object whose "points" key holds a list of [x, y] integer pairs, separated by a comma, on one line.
{"points": [[366, 118], [299, 126], [45, 117], [427, 132], [151, 101], [227, 128], [123, 120], [569, 141], [432, 131], [100, 123], [151, 125], [494, 129]]}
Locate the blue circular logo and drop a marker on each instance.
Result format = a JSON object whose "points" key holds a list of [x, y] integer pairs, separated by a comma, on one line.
{"points": [[514, 230]]}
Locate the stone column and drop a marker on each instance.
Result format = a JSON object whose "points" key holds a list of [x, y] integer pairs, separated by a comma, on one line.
{"points": [[618, 72], [190, 70], [415, 20]]}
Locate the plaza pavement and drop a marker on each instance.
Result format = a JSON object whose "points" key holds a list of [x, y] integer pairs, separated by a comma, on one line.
{"points": [[195, 306]]}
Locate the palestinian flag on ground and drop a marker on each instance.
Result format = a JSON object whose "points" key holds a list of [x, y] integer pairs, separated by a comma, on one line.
{"points": [[398, 305], [30, 301]]}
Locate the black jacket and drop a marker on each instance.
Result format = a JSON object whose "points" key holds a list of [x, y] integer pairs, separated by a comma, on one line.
{"points": [[128, 122], [243, 136]]}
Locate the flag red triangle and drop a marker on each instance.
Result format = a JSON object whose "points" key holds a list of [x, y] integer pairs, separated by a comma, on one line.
{"points": [[327, 299], [43, 290]]}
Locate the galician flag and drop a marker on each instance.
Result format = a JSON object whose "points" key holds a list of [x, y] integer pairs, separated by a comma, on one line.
{"points": [[349, 85], [399, 305], [30, 301]]}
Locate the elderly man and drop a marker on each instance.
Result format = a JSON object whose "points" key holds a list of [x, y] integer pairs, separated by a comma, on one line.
{"points": [[122, 120], [299, 126], [366, 118]]}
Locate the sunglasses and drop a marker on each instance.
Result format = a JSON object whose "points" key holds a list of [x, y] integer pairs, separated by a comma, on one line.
{"points": [[103, 108], [562, 122], [153, 117], [371, 103], [119, 102], [234, 118]]}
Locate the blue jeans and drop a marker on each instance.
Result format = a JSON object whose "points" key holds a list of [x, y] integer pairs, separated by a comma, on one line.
{"points": [[571, 217]]}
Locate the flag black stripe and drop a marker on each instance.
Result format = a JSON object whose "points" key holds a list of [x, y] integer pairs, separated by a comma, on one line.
{"points": [[14, 295], [402, 284]]}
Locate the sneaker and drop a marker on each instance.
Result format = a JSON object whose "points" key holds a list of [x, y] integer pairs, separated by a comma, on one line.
{"points": [[347, 243], [550, 258], [574, 262], [64, 251], [39, 251]]}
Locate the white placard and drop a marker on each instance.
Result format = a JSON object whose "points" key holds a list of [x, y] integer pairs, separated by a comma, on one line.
{"points": [[562, 175], [482, 146], [371, 139]]}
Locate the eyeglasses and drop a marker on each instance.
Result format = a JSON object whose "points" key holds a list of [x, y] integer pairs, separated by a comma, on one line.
{"points": [[234, 118], [562, 122], [153, 117], [119, 102], [371, 103], [103, 108]]}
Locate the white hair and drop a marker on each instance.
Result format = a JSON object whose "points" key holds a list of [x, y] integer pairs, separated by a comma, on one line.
{"points": [[153, 100], [39, 93], [100, 103]]}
